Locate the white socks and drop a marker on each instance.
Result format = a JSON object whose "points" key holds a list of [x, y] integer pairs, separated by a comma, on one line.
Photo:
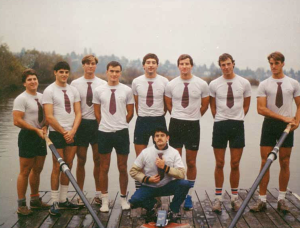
{"points": [[63, 193], [281, 195], [263, 198], [105, 202], [55, 196], [98, 194], [124, 204]]}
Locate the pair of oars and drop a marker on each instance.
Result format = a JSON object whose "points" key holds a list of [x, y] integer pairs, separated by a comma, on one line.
{"points": [[64, 168]]}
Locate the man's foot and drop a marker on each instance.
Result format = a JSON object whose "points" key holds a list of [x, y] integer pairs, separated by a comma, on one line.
{"points": [[68, 205], [258, 206], [188, 204], [24, 211], [104, 208], [281, 206], [80, 202], [39, 204], [173, 217], [97, 200], [217, 206], [151, 216], [236, 204], [124, 204], [54, 209]]}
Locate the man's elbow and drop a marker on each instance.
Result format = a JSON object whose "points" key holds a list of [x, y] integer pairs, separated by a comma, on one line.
{"points": [[16, 123], [260, 111]]}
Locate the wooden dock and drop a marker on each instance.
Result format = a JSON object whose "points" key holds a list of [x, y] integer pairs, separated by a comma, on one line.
{"points": [[200, 217]]}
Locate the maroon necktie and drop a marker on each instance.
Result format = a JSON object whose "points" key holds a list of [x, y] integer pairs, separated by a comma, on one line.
{"points": [[67, 102], [279, 97], [89, 95], [230, 98], [40, 112], [149, 99], [161, 172], [185, 96], [112, 103]]}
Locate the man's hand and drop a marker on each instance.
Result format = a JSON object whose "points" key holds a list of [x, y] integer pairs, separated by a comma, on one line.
{"points": [[40, 133], [295, 125], [154, 179], [160, 163], [290, 120], [69, 136]]}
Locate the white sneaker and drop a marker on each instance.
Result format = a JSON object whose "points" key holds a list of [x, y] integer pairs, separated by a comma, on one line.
{"points": [[124, 204], [104, 208]]}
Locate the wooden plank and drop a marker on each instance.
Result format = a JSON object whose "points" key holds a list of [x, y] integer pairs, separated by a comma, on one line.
{"points": [[223, 217], [262, 217], [198, 212], [211, 217], [186, 216], [126, 221], [137, 217], [116, 213], [288, 217], [293, 199], [227, 205]]}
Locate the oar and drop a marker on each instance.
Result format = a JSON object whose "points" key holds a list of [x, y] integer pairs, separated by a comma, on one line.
{"points": [[271, 157], [64, 167]]}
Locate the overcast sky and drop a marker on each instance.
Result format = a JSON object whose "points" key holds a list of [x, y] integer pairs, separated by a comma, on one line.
{"points": [[247, 29]]}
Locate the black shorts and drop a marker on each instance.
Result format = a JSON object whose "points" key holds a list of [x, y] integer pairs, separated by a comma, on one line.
{"points": [[184, 132], [87, 133], [31, 145], [145, 126], [59, 141], [271, 131], [228, 130], [118, 140]]}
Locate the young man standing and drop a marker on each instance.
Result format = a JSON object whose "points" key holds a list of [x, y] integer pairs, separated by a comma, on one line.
{"points": [[113, 105], [161, 171], [88, 128], [187, 99], [28, 115], [275, 97], [230, 97], [62, 108], [148, 91]]}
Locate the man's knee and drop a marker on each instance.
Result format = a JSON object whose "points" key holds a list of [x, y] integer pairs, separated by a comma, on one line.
{"points": [[191, 164], [220, 164], [235, 165], [183, 184]]}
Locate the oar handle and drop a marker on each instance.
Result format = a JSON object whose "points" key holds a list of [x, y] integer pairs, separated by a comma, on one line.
{"points": [[288, 128], [48, 141]]}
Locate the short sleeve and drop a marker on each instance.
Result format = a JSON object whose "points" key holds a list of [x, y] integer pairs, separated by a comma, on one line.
{"points": [[76, 94], [133, 87], [130, 99], [297, 89], [48, 97], [212, 91], [168, 91], [205, 90], [261, 92], [96, 98], [19, 104], [247, 91]]}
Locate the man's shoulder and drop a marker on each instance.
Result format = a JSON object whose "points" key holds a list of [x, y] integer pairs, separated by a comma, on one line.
{"points": [[49, 87], [22, 96], [77, 80]]}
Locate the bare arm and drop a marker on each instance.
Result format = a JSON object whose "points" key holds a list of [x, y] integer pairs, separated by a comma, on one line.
{"points": [[204, 105], [297, 116], [264, 111], [246, 105], [130, 108], [48, 108], [212, 101], [21, 123], [97, 110], [168, 102], [136, 104]]}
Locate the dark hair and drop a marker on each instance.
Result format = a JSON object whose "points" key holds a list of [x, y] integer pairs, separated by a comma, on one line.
{"points": [[160, 129], [185, 56], [28, 72], [150, 56], [224, 57], [113, 64], [89, 58], [62, 65], [277, 56]]}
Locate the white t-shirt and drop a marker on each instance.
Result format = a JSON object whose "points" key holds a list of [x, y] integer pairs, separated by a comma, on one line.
{"points": [[123, 96], [290, 89], [241, 89], [26, 103], [54, 94], [81, 84], [197, 89], [140, 87], [146, 161]]}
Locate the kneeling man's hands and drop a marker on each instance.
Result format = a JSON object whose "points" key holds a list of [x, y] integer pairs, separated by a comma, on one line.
{"points": [[160, 163], [154, 179]]}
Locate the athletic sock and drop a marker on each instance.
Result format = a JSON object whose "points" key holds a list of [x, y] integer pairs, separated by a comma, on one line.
{"points": [[54, 195], [192, 183], [281, 195], [263, 198], [218, 194], [21, 202], [98, 194], [124, 203], [234, 194], [34, 196], [137, 185], [63, 193]]}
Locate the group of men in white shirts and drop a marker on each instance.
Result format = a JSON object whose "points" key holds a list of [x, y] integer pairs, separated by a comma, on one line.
{"points": [[94, 112]]}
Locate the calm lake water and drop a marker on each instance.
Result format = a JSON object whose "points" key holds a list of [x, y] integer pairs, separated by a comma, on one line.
{"points": [[250, 163]]}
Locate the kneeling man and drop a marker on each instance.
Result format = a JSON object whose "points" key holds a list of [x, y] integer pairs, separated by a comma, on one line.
{"points": [[163, 176]]}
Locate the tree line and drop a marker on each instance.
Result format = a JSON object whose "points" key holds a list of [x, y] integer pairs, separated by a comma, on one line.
{"points": [[12, 65]]}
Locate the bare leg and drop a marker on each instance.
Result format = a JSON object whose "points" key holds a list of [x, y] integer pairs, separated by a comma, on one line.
{"points": [[26, 165], [104, 168], [236, 154], [69, 154], [56, 170], [284, 161], [80, 170], [220, 161], [96, 158], [264, 151], [123, 178], [34, 177], [191, 156]]}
